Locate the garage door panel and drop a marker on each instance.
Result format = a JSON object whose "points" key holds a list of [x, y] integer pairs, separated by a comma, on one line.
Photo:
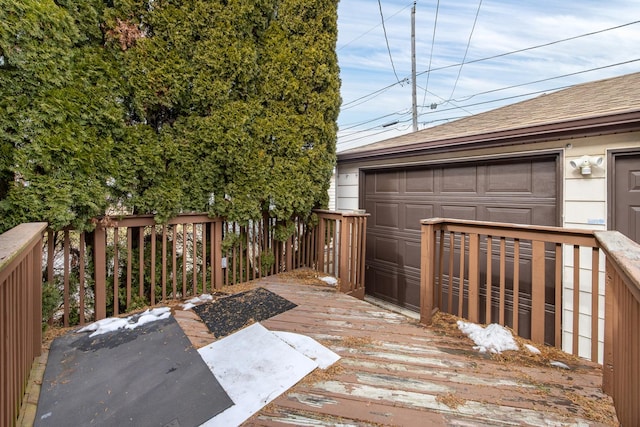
{"points": [[395, 287], [387, 182], [459, 212], [514, 215], [411, 254], [509, 178], [386, 214], [544, 179], [411, 293], [413, 214], [385, 249], [420, 181], [544, 215], [382, 284], [370, 207], [460, 179]]}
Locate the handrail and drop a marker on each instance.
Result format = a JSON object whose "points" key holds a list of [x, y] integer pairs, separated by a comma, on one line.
{"points": [[341, 246], [109, 271], [20, 313], [506, 287], [621, 370], [573, 275]]}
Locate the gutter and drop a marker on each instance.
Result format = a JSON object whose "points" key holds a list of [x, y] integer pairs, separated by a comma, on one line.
{"points": [[593, 126]]}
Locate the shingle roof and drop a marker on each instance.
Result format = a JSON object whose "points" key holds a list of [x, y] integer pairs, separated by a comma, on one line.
{"points": [[585, 101]]}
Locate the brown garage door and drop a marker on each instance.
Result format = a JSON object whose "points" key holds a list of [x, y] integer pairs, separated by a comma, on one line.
{"points": [[626, 205], [520, 191]]}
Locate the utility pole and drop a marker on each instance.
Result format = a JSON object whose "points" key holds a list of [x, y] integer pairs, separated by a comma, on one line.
{"points": [[414, 102]]}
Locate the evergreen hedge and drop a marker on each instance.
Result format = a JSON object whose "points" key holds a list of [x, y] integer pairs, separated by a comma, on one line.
{"points": [[162, 107]]}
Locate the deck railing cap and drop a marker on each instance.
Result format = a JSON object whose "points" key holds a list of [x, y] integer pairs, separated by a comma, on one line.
{"points": [[351, 212], [13, 241], [490, 224], [625, 254]]}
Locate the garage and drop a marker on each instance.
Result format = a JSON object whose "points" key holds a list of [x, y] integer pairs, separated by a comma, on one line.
{"points": [[523, 190]]}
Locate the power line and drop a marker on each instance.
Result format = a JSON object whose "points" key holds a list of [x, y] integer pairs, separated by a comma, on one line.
{"points": [[377, 92], [533, 47], [366, 98], [384, 30], [377, 126], [501, 89], [466, 50], [372, 28], [433, 41], [444, 101], [549, 78], [354, 125]]}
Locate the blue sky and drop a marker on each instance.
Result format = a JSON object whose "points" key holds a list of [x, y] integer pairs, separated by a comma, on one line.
{"points": [[372, 98]]}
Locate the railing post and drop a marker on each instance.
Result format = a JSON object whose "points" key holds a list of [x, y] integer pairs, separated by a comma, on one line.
{"points": [[610, 310], [427, 284], [474, 278], [100, 271], [320, 243], [216, 250], [537, 292], [362, 254], [289, 253], [343, 267]]}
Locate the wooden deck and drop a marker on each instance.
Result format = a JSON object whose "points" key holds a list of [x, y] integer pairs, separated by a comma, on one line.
{"points": [[395, 372]]}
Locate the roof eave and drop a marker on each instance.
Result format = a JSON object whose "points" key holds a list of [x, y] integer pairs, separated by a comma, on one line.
{"points": [[601, 125]]}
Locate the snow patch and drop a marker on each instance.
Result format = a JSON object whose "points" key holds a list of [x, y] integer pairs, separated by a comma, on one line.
{"points": [[494, 338], [111, 324], [329, 280], [532, 349], [190, 303], [559, 365]]}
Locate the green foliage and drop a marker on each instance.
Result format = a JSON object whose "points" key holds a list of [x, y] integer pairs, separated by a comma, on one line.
{"points": [[51, 300], [165, 107], [267, 261], [284, 230]]}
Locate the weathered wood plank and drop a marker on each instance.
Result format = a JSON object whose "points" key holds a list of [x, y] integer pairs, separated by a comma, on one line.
{"points": [[394, 371]]}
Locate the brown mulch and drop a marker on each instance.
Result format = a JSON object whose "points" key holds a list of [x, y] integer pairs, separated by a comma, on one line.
{"points": [[446, 324], [229, 314], [594, 409]]}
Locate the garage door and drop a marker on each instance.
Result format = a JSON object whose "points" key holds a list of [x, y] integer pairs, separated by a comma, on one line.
{"points": [[520, 191]]}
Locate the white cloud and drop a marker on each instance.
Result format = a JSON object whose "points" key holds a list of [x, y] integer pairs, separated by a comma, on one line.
{"points": [[502, 27]]}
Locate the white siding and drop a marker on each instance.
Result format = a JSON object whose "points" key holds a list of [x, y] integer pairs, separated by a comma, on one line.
{"points": [[332, 192], [347, 189], [585, 207]]}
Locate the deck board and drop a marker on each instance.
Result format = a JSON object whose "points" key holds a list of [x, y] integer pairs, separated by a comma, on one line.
{"points": [[394, 371]]}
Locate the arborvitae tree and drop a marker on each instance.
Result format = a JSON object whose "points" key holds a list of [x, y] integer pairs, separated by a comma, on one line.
{"points": [[165, 107], [299, 91], [58, 113]]}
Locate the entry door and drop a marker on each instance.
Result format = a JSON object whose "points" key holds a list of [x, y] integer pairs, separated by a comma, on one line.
{"points": [[626, 189]]}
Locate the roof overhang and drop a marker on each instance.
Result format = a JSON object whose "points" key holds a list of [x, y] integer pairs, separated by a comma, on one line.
{"points": [[580, 128]]}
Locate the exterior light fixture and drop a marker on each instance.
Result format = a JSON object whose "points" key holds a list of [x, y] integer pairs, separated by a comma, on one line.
{"points": [[585, 163]]}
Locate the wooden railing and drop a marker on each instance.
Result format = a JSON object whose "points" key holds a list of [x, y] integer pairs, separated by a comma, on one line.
{"points": [[518, 275], [621, 368], [20, 313], [521, 283], [341, 240], [131, 262]]}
